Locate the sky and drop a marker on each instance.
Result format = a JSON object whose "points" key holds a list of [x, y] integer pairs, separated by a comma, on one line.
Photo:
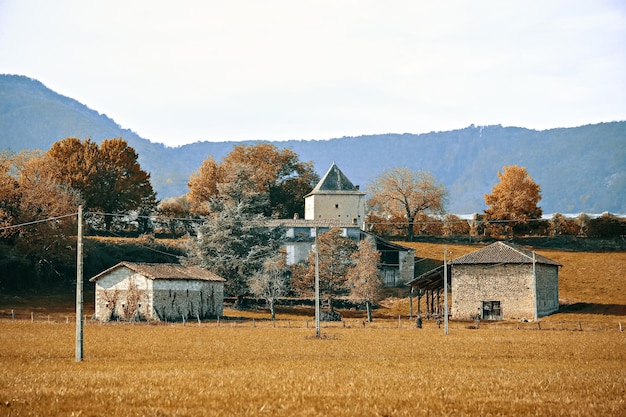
{"points": [[178, 72]]}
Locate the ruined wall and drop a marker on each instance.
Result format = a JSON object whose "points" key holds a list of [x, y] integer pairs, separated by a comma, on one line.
{"points": [[511, 284]]}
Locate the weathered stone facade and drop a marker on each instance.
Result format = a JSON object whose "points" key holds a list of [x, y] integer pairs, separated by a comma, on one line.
{"points": [[504, 281], [127, 292]]}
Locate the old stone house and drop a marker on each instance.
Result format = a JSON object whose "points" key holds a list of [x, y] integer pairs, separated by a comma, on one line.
{"points": [[504, 281], [336, 203], [157, 291]]}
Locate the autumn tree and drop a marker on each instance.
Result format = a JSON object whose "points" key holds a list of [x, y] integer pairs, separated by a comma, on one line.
{"points": [[335, 258], [513, 201], [203, 185], [31, 195], [277, 172], [9, 193], [403, 193], [364, 280], [272, 281], [108, 176]]}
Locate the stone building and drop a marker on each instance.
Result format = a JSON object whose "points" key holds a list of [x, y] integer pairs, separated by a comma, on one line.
{"points": [[335, 198], [504, 281], [336, 203], [157, 291]]}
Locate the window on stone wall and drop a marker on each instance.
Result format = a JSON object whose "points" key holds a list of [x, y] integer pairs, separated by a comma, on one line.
{"points": [[491, 310]]}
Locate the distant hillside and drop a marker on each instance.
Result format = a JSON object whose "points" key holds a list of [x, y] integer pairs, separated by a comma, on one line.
{"points": [[580, 169]]}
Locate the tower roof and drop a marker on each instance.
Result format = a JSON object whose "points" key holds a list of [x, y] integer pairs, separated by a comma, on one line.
{"points": [[335, 181]]}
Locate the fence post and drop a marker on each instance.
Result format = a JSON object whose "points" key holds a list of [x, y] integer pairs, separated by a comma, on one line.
{"points": [[32, 317], [620, 326], [580, 326], [12, 314]]}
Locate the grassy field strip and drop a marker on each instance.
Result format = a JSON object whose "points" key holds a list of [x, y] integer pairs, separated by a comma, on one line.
{"points": [[591, 323], [136, 370]]}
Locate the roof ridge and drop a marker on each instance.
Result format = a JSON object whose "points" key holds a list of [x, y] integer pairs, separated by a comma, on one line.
{"points": [[516, 248]]}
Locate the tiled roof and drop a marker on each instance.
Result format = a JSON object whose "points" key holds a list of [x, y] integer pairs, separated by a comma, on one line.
{"points": [[502, 252], [335, 181], [164, 271]]}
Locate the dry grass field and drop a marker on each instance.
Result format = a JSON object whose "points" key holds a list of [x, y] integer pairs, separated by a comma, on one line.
{"points": [[246, 365], [176, 370]]}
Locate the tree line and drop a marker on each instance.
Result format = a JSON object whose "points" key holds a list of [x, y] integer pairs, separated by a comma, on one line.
{"points": [[225, 209]]}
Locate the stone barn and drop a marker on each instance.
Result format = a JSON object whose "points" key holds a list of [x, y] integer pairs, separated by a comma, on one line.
{"points": [[504, 281], [157, 291]]}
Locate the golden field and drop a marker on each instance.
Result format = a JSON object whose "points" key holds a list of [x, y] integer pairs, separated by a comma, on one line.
{"points": [[176, 370], [246, 365]]}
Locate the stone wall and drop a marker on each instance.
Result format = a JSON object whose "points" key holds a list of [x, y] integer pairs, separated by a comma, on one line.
{"points": [[347, 207], [547, 289], [123, 294], [407, 266], [511, 284]]}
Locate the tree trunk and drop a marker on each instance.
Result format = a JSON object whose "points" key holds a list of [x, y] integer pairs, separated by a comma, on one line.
{"points": [[240, 302], [409, 231], [272, 309], [368, 306]]}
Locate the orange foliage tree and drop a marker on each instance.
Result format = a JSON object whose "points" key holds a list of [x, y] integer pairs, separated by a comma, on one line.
{"points": [[276, 172], [108, 176], [513, 201]]}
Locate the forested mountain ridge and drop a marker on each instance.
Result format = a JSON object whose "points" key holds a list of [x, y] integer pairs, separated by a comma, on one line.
{"points": [[580, 169]]}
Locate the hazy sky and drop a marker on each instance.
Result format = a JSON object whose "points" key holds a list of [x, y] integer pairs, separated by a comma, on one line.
{"points": [[181, 71]]}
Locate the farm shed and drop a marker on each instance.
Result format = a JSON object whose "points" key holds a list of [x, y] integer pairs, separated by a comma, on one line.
{"points": [[504, 281], [157, 291], [430, 285]]}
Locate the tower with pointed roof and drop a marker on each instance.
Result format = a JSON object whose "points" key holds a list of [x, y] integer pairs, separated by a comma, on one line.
{"points": [[335, 198]]}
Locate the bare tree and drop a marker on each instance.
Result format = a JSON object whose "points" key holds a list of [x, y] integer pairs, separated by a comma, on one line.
{"points": [[401, 192], [271, 282], [363, 278]]}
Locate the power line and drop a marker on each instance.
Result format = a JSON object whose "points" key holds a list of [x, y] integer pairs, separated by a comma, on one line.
{"points": [[15, 226]]}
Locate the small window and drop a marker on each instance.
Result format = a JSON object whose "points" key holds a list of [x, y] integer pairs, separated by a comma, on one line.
{"points": [[491, 310], [336, 206]]}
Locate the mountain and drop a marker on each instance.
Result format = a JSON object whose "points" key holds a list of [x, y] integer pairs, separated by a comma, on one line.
{"points": [[580, 169]]}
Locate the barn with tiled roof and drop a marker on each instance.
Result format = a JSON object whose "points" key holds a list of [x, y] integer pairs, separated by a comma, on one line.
{"points": [[157, 291], [504, 281]]}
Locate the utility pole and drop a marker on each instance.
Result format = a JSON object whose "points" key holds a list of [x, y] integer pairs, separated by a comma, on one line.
{"points": [[445, 289], [79, 287], [317, 286], [536, 314]]}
